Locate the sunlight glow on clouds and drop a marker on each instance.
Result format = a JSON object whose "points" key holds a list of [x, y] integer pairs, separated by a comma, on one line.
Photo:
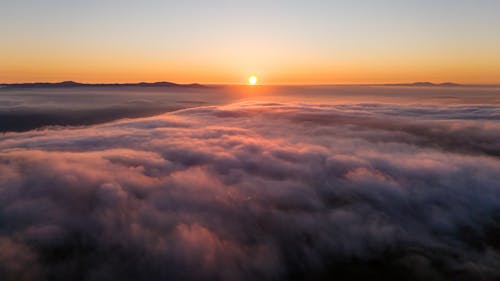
{"points": [[256, 191]]}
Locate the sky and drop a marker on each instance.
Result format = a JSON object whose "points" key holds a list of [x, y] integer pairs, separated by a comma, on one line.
{"points": [[282, 42]]}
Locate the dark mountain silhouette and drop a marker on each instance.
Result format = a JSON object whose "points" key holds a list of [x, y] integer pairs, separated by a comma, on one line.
{"points": [[425, 84], [449, 84], [72, 84]]}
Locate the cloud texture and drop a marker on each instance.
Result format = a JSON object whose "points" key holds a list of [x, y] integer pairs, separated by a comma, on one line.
{"points": [[257, 191]]}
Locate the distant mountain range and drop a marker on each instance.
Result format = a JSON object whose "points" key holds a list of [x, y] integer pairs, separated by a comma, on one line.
{"points": [[426, 84], [72, 84]]}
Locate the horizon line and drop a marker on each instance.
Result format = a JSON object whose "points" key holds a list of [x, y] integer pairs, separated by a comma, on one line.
{"points": [[414, 83]]}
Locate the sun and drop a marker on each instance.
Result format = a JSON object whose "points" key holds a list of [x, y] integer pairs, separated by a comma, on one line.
{"points": [[253, 80]]}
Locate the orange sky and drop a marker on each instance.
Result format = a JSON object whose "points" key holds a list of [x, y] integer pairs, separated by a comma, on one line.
{"points": [[94, 70], [296, 43]]}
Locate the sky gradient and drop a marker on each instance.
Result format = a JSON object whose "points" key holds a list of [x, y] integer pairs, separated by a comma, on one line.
{"points": [[283, 42]]}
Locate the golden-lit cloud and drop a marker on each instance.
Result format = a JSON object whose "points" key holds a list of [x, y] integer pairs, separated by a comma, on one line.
{"points": [[256, 190]]}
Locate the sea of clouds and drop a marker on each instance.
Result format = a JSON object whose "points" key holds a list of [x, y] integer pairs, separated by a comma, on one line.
{"points": [[257, 191]]}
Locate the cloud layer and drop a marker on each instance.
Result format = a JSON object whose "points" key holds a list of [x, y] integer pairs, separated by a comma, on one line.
{"points": [[257, 191]]}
